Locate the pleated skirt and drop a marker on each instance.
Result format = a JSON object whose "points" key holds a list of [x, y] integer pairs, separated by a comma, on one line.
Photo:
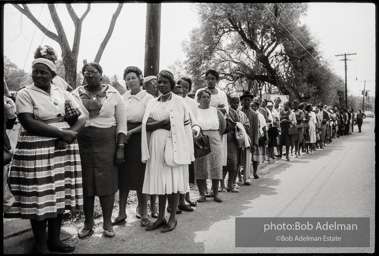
{"points": [[45, 181], [161, 179]]}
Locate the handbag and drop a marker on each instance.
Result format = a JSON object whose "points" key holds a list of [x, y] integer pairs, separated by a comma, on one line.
{"points": [[262, 140], [202, 146], [71, 114], [292, 130], [230, 124], [169, 153], [7, 157], [240, 137]]}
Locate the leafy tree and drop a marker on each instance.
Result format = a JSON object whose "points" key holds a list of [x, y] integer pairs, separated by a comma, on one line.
{"points": [[14, 76], [256, 45], [69, 55]]}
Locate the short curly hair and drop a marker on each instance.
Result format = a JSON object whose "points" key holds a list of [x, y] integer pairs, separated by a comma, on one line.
{"points": [[136, 70]]}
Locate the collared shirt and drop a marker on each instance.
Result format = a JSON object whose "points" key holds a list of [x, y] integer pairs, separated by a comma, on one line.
{"points": [[43, 105], [112, 112], [135, 105]]}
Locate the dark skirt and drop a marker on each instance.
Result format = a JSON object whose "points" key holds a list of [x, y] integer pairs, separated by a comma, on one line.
{"points": [[272, 135], [232, 160], [285, 139], [97, 148], [131, 173], [299, 136]]}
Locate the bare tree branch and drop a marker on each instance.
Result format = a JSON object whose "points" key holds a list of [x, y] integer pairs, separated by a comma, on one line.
{"points": [[26, 11], [63, 42], [109, 33]]}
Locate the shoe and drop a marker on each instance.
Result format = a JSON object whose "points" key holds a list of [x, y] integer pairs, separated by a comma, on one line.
{"points": [[167, 228], [236, 186], [108, 233], [256, 176], [156, 225], [201, 199], [145, 222], [247, 183], [154, 215], [209, 194], [178, 211], [185, 208], [61, 247], [83, 233], [234, 190], [217, 199], [118, 221], [288, 158], [191, 202], [138, 216]]}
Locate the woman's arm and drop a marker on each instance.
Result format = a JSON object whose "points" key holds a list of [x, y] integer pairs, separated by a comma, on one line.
{"points": [[222, 122], [152, 125], [39, 128]]}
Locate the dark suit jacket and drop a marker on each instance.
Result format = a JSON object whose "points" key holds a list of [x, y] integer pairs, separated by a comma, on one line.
{"points": [[254, 123]]}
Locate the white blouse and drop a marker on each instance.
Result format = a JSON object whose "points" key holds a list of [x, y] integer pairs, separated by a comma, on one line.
{"points": [[208, 118]]}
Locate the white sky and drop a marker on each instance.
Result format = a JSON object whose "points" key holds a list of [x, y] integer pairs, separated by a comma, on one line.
{"points": [[339, 28]]}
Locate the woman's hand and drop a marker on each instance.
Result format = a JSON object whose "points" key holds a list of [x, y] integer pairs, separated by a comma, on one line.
{"points": [[68, 136], [128, 135], [120, 158], [60, 144]]}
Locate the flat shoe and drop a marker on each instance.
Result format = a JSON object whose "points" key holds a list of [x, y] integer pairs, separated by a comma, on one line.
{"points": [[256, 176], [217, 199], [247, 182], [185, 208], [167, 228], [210, 194], [108, 233], [61, 247], [178, 211], [156, 225], [83, 233], [191, 202], [201, 199], [145, 222], [118, 221], [154, 215], [234, 190], [138, 216]]}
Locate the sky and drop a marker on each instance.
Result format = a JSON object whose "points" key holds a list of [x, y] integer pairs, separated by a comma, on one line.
{"points": [[338, 27]]}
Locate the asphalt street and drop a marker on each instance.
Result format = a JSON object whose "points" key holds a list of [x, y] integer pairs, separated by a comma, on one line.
{"points": [[338, 181]]}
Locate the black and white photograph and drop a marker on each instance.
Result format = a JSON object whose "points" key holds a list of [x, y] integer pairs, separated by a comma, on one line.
{"points": [[189, 127]]}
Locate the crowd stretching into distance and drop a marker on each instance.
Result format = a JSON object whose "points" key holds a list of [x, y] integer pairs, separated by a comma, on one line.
{"points": [[75, 144]]}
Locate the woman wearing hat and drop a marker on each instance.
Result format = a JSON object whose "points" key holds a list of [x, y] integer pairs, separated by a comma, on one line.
{"points": [[167, 117], [150, 85], [45, 175]]}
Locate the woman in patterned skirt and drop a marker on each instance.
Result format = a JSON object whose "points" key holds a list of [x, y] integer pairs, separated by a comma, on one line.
{"points": [[212, 122], [45, 175]]}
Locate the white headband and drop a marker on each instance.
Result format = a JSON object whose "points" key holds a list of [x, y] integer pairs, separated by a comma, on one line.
{"points": [[46, 62]]}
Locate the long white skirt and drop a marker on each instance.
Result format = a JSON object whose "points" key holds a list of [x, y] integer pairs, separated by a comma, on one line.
{"points": [[161, 179]]}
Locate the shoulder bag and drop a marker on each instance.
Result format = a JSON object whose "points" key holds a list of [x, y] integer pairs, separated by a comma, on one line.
{"points": [[292, 130]]}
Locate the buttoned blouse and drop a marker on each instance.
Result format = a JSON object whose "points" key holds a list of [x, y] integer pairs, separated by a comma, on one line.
{"points": [[112, 112], [135, 105], [44, 106], [217, 99]]}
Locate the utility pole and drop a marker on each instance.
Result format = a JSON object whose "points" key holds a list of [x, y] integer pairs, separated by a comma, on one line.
{"points": [[345, 59], [152, 39], [364, 94]]}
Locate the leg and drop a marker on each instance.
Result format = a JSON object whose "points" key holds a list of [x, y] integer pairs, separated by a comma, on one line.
{"points": [[54, 242], [122, 206], [224, 172], [296, 148], [39, 232], [287, 150], [173, 200], [216, 197], [106, 203], [153, 207], [88, 207], [201, 184], [255, 169], [231, 180], [142, 201], [161, 221]]}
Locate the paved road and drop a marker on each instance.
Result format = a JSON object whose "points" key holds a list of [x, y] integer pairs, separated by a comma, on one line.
{"points": [[338, 181]]}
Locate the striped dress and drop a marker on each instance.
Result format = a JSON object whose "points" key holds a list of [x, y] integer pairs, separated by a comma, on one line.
{"points": [[45, 181]]}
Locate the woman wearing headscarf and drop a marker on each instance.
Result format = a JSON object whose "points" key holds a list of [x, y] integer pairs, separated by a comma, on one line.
{"points": [[131, 172], [167, 117], [45, 175], [47, 52], [287, 118], [212, 122], [101, 145]]}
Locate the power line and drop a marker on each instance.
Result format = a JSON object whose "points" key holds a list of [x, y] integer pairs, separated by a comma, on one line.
{"points": [[292, 34], [27, 55]]}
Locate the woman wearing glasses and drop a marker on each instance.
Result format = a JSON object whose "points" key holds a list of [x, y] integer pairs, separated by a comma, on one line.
{"points": [[101, 145]]}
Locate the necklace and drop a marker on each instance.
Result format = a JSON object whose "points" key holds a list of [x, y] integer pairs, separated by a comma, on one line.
{"points": [[169, 97]]}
